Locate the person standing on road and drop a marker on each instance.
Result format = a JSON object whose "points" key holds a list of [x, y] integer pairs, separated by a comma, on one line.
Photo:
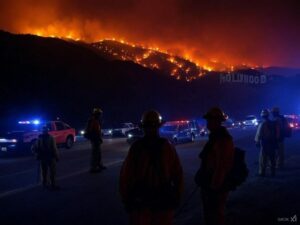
{"points": [[151, 178], [94, 134], [46, 151], [282, 124], [216, 163], [266, 139]]}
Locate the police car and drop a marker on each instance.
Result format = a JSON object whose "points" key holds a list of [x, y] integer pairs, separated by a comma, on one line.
{"points": [[24, 135], [180, 131]]}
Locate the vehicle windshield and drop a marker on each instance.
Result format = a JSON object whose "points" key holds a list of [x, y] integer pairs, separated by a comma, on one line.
{"points": [[169, 128]]}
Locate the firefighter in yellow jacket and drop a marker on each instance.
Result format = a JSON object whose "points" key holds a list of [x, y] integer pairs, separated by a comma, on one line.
{"points": [[46, 151], [151, 179]]}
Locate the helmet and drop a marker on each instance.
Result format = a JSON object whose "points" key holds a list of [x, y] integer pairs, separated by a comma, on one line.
{"points": [[216, 113], [264, 113], [275, 110], [97, 111], [151, 118]]}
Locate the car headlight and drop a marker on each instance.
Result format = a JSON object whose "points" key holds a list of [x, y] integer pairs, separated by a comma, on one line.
{"points": [[129, 135], [82, 132], [4, 140]]}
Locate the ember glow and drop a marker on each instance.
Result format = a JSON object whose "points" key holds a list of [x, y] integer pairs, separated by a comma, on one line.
{"points": [[213, 34], [153, 58]]}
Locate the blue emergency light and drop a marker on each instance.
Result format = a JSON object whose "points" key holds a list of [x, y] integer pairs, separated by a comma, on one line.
{"points": [[35, 122]]}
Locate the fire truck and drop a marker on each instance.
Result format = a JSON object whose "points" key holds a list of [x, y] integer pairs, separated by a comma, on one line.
{"points": [[24, 135]]}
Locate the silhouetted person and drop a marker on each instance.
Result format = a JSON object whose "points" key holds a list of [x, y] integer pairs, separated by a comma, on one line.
{"points": [[281, 123], [94, 134], [266, 140], [46, 151], [151, 180], [216, 162]]}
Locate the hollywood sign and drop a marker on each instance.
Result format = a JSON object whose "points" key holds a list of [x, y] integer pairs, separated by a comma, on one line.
{"points": [[243, 78]]}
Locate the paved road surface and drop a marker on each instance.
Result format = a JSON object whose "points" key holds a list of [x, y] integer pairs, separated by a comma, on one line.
{"points": [[93, 199]]}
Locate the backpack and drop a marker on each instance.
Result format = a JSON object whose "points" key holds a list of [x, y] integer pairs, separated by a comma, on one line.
{"points": [[269, 131], [238, 173]]}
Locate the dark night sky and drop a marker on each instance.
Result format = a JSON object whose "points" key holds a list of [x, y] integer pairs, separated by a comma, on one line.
{"points": [[260, 32]]}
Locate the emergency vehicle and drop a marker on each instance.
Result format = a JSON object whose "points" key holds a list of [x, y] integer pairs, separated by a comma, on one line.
{"points": [[294, 121], [180, 131], [24, 135]]}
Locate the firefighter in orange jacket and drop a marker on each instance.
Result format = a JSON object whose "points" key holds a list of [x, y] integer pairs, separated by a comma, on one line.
{"points": [[217, 161], [151, 178]]}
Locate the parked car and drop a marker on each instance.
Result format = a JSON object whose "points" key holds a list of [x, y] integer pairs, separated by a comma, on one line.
{"points": [[180, 131], [294, 121], [134, 135], [202, 126], [107, 132], [121, 130], [251, 120], [24, 135], [229, 123]]}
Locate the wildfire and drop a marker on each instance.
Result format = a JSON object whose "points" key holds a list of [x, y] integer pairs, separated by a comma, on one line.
{"points": [[182, 68], [57, 31], [153, 57]]}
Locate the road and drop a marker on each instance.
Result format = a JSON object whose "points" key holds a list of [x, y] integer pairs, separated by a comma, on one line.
{"points": [[23, 172], [93, 198]]}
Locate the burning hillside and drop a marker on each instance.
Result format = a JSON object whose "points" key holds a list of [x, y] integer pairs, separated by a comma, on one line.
{"points": [[153, 58]]}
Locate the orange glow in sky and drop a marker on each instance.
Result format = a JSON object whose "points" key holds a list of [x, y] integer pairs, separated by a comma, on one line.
{"points": [[213, 34]]}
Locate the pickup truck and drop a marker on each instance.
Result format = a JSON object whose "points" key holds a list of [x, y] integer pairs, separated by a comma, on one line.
{"points": [[24, 135], [122, 129]]}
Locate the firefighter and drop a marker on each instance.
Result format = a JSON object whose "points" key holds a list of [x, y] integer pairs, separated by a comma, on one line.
{"points": [[216, 162], [281, 123], [266, 139], [151, 178], [94, 134], [46, 151]]}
